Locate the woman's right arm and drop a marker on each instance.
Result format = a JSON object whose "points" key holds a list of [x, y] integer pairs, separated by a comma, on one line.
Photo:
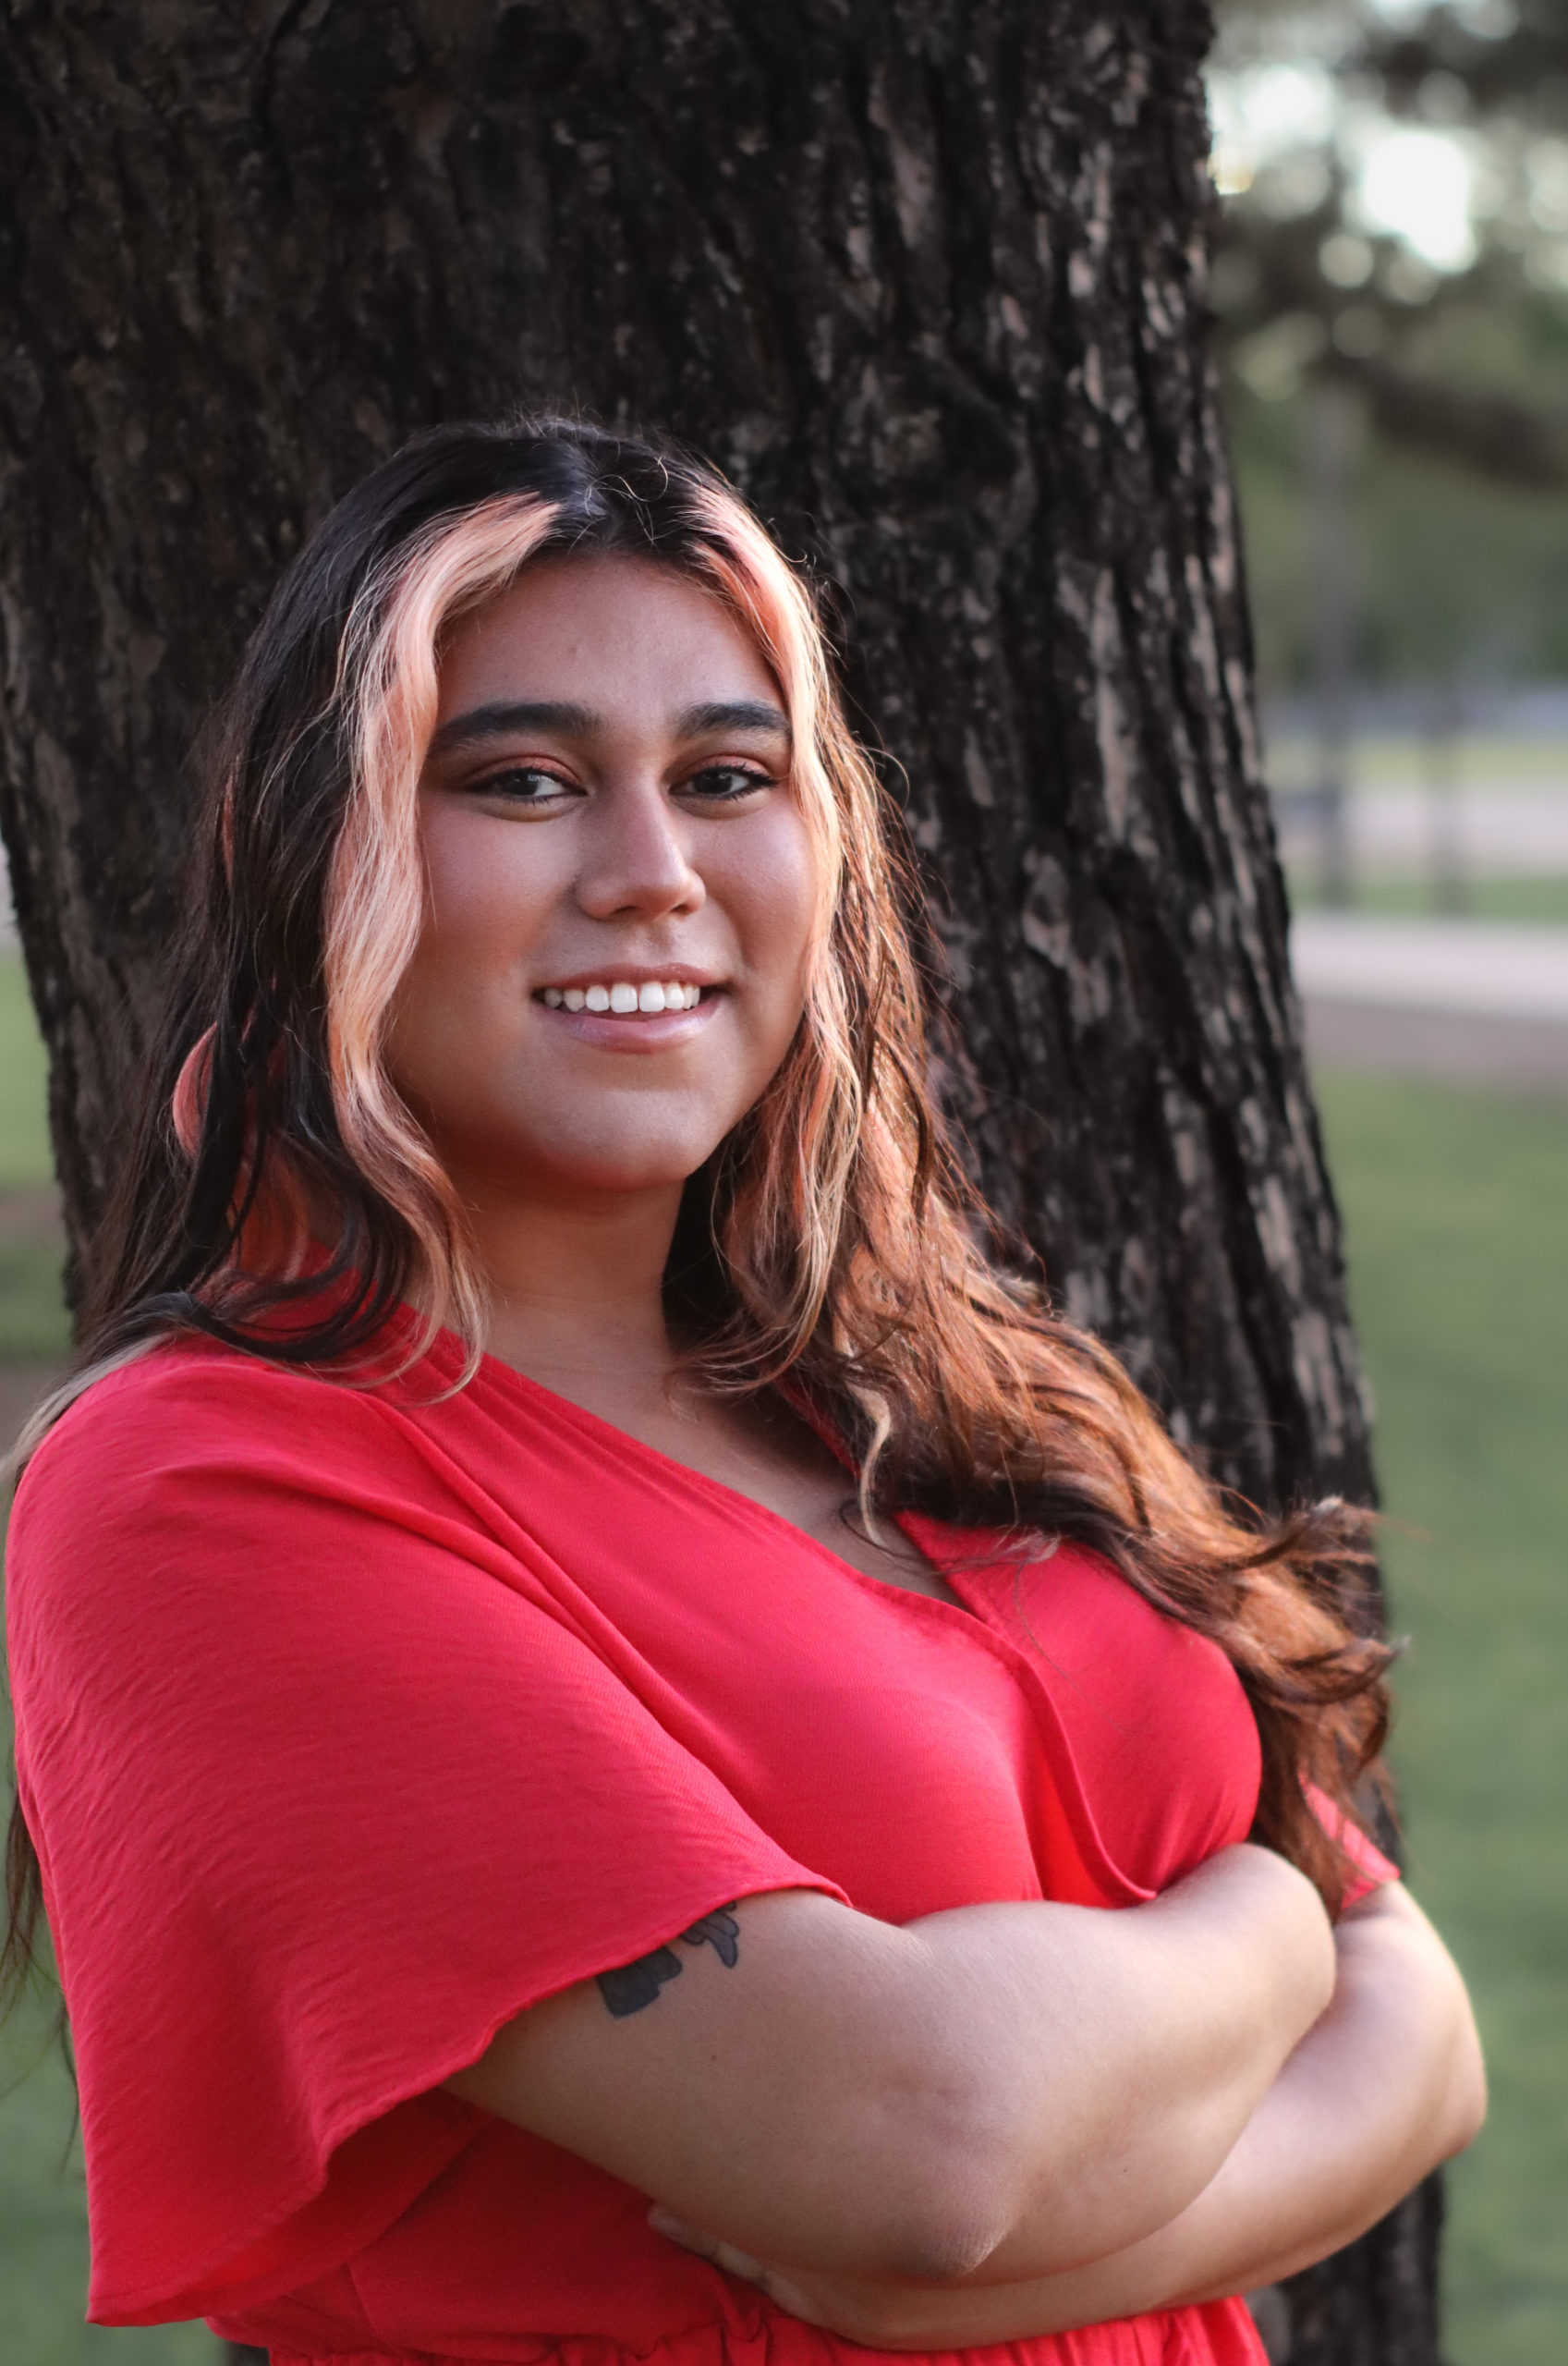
{"points": [[1003, 2090]]}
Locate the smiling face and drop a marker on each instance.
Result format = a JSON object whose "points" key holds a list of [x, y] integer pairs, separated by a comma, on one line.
{"points": [[606, 816]]}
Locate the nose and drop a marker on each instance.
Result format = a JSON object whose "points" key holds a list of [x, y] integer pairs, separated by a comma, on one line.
{"points": [[634, 857]]}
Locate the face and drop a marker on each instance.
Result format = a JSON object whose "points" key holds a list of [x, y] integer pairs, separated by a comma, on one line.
{"points": [[620, 888]]}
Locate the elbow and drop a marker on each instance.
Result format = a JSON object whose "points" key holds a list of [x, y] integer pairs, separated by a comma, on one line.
{"points": [[957, 2198], [1467, 2111], [1463, 2109], [986, 2195], [950, 2225], [938, 2247]]}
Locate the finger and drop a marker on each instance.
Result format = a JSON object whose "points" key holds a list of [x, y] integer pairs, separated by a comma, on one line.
{"points": [[709, 2246], [677, 2230]]}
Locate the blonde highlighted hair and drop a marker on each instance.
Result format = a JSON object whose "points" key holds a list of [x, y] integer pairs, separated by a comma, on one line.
{"points": [[786, 1221], [828, 1250]]}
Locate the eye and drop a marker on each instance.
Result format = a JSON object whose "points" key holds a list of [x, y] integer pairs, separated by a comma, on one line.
{"points": [[523, 785], [725, 784]]}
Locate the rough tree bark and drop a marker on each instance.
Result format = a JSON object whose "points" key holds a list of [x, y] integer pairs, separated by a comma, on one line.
{"points": [[928, 277]]}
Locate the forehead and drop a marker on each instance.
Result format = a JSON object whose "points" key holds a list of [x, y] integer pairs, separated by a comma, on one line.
{"points": [[611, 633]]}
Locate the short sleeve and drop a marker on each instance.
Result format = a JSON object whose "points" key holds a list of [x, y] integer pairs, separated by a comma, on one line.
{"points": [[1372, 1869], [321, 1800]]}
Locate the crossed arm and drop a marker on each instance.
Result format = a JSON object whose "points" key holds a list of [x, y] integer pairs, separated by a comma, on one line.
{"points": [[1387, 2083], [1010, 2117]]}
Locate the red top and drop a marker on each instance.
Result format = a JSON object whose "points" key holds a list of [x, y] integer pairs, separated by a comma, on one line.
{"points": [[349, 1724]]}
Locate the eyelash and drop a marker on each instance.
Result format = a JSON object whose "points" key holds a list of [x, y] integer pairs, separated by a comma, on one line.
{"points": [[499, 784], [747, 779]]}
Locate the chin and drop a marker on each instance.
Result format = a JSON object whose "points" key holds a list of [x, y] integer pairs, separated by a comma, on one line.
{"points": [[592, 1170]]}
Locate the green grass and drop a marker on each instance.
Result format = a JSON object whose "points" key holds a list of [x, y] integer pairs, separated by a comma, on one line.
{"points": [[1456, 1205], [24, 1083], [1541, 899]]}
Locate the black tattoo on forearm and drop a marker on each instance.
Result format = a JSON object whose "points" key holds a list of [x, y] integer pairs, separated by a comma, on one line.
{"points": [[633, 1985]]}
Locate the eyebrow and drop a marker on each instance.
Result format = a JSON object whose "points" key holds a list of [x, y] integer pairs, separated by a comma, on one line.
{"points": [[731, 714], [504, 716]]}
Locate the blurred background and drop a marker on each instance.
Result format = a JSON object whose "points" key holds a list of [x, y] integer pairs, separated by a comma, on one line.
{"points": [[1392, 294]]}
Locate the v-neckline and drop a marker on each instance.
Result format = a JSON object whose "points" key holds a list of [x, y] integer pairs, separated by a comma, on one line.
{"points": [[955, 1551], [498, 1373]]}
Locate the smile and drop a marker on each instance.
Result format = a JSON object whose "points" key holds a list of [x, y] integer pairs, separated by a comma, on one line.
{"points": [[623, 999]]}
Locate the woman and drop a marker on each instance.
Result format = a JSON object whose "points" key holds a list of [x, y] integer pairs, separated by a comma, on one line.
{"points": [[572, 1643]]}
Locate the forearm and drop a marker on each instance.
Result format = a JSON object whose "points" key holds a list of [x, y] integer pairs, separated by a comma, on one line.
{"points": [[1387, 2086], [1134, 2067]]}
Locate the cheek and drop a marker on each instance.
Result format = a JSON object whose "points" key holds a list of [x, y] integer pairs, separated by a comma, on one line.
{"points": [[464, 872], [475, 925], [485, 899], [776, 909]]}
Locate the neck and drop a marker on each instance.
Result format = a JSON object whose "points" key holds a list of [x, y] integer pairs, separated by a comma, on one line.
{"points": [[577, 1290]]}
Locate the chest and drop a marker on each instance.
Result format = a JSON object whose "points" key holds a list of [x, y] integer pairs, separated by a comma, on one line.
{"points": [[1041, 1732], [878, 1734]]}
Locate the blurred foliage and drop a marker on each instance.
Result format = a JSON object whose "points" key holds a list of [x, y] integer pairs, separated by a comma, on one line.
{"points": [[1397, 180], [1396, 224], [44, 2229], [1454, 576]]}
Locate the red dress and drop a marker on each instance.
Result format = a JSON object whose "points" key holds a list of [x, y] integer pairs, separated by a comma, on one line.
{"points": [[349, 1724]]}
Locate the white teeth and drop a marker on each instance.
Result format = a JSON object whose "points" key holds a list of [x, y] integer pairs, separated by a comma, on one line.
{"points": [[623, 998]]}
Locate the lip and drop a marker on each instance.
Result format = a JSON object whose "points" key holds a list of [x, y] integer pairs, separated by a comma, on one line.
{"points": [[653, 1030], [635, 973]]}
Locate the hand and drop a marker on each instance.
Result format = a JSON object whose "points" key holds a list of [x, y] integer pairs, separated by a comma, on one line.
{"points": [[918, 2317], [787, 2288], [879, 2316]]}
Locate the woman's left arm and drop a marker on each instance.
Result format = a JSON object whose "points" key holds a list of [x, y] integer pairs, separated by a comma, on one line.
{"points": [[1387, 2084]]}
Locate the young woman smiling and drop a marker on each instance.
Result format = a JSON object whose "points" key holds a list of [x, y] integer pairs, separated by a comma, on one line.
{"points": [[586, 1673]]}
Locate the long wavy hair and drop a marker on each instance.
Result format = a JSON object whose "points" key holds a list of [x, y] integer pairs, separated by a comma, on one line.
{"points": [[827, 1249]]}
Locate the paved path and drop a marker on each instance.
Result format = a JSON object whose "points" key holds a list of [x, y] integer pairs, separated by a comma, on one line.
{"points": [[1477, 1001]]}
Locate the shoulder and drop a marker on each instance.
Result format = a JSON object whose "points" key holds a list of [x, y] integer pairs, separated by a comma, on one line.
{"points": [[189, 1401], [199, 1513], [195, 1435]]}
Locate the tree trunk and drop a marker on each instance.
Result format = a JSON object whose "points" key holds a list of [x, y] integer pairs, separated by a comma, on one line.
{"points": [[928, 278]]}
